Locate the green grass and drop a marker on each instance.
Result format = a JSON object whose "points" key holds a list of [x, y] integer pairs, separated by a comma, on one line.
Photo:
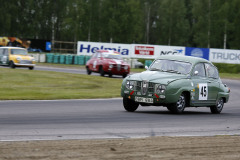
{"points": [[24, 84], [230, 75], [21, 84]]}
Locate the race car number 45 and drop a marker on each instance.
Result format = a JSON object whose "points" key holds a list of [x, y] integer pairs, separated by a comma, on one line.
{"points": [[144, 100]]}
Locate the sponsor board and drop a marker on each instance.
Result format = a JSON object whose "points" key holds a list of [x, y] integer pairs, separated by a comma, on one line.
{"points": [[225, 56], [88, 48], [144, 50], [197, 52], [48, 46], [154, 51], [170, 50]]}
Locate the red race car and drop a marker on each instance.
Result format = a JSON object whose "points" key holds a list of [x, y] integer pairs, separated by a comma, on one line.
{"points": [[107, 62]]}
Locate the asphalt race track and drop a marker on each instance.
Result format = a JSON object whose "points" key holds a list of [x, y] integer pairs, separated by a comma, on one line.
{"points": [[106, 118]]}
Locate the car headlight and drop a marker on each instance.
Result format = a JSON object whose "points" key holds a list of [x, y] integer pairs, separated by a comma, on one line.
{"points": [[130, 85], [126, 67], [160, 89], [18, 58], [110, 66], [33, 60]]}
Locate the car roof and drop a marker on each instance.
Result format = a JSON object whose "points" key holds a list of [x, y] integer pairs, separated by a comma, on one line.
{"points": [[7, 47], [190, 59], [108, 51]]}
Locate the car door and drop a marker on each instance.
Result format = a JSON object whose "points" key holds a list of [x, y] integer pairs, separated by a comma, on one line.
{"points": [[3, 56], [200, 84], [213, 82], [93, 62]]}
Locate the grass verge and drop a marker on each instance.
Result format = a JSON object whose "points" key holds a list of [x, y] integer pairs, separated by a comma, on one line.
{"points": [[21, 84]]}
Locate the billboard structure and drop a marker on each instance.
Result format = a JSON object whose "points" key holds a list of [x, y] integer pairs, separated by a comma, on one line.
{"points": [[154, 51]]}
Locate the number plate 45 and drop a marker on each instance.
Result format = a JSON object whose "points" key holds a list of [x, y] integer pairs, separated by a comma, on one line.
{"points": [[203, 91]]}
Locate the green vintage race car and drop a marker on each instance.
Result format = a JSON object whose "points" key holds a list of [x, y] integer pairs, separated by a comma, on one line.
{"points": [[176, 82]]}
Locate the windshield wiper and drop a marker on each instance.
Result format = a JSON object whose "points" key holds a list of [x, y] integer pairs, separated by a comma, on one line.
{"points": [[173, 71], [155, 69]]}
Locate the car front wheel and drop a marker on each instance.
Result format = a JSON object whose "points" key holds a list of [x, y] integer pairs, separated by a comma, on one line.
{"points": [[30, 68], [12, 65], [101, 71], [179, 106], [218, 107], [130, 105], [88, 71]]}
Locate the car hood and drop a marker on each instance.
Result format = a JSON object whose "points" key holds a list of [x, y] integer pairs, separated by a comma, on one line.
{"points": [[157, 77], [23, 57], [117, 61]]}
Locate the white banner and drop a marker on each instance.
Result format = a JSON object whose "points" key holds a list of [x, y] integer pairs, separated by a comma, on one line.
{"points": [[88, 48], [170, 50], [154, 51], [224, 56]]}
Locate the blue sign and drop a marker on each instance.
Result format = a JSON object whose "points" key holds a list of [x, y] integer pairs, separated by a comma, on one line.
{"points": [[48, 46], [197, 52]]}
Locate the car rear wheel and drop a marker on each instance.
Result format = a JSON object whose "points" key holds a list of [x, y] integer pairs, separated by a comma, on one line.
{"points": [[179, 106], [130, 105], [218, 107], [12, 65]]}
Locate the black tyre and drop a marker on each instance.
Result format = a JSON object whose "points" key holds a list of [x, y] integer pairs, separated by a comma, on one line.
{"points": [[101, 71], [30, 68], [110, 75], [124, 75], [12, 65], [88, 71], [218, 107], [130, 105], [169, 108], [179, 106]]}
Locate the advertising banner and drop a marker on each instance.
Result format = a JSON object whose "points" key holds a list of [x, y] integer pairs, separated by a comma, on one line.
{"points": [[143, 51], [88, 48], [154, 51], [197, 52], [225, 56], [169, 50]]}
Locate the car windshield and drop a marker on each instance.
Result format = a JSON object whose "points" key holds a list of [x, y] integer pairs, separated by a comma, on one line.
{"points": [[112, 56], [172, 66], [19, 51]]}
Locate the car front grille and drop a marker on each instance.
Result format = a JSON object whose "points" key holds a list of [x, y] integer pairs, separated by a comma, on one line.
{"points": [[144, 87], [25, 62], [118, 67]]}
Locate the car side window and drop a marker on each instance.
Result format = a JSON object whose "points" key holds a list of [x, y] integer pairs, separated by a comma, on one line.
{"points": [[94, 55], [5, 52], [200, 70], [1, 52], [212, 71], [99, 55]]}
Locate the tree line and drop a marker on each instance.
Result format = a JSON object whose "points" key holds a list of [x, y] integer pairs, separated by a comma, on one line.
{"points": [[192, 23]]}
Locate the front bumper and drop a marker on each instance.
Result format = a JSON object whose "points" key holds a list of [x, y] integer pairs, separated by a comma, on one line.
{"points": [[24, 65], [115, 71], [155, 100]]}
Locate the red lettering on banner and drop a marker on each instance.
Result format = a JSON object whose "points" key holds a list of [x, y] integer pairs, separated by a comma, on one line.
{"points": [[144, 50]]}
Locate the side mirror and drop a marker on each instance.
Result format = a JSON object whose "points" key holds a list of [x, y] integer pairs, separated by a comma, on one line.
{"points": [[146, 67], [195, 73]]}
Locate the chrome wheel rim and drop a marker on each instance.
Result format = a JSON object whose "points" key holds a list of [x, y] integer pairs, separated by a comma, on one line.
{"points": [[220, 104], [181, 103]]}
